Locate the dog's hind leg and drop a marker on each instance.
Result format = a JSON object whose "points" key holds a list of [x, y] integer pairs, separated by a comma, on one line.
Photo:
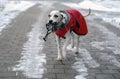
{"points": [[58, 40], [72, 40], [77, 48]]}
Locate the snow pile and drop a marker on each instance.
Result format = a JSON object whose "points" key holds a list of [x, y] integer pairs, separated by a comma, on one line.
{"points": [[89, 4], [96, 6], [99, 6], [10, 10], [18, 6]]}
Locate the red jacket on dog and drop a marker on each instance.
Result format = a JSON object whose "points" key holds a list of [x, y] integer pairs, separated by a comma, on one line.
{"points": [[77, 24]]}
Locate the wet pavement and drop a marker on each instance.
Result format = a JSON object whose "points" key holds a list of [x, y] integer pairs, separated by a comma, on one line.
{"points": [[24, 54]]}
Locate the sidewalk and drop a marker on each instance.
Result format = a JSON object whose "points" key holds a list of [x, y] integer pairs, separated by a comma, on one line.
{"points": [[95, 59], [12, 40]]}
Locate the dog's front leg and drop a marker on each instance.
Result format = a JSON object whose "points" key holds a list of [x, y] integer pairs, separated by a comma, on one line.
{"points": [[65, 46], [58, 40]]}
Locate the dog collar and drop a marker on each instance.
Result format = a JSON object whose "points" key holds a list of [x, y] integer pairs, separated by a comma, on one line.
{"points": [[67, 19], [68, 25]]}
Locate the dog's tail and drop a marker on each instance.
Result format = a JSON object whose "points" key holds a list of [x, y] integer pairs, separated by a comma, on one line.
{"points": [[88, 13]]}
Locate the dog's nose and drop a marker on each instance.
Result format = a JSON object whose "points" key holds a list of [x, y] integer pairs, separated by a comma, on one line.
{"points": [[50, 21]]}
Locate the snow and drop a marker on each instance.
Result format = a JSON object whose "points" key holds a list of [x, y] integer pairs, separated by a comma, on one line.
{"points": [[110, 58], [80, 64], [10, 10], [96, 6], [86, 4], [103, 6], [32, 60], [112, 42], [29, 63], [89, 4], [18, 6]]}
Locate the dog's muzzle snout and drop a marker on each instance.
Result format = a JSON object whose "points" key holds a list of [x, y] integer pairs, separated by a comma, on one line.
{"points": [[50, 21], [53, 23]]}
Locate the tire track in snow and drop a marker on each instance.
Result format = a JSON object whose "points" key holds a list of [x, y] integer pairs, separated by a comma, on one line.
{"points": [[33, 60]]}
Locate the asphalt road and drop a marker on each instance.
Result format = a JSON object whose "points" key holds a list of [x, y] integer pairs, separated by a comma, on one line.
{"points": [[24, 55]]}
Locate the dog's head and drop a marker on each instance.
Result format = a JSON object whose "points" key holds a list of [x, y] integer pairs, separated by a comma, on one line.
{"points": [[55, 17]]}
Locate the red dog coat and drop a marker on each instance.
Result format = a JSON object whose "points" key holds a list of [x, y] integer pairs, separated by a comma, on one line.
{"points": [[76, 23]]}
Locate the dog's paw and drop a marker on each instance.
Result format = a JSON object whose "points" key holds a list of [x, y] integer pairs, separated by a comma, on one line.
{"points": [[64, 57], [59, 58], [76, 52], [72, 46]]}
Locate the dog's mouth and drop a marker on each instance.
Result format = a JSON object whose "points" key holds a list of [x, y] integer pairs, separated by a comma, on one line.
{"points": [[51, 26], [52, 23]]}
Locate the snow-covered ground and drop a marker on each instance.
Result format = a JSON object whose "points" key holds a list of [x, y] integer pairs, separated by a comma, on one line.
{"points": [[33, 60], [10, 9], [110, 9], [107, 10], [79, 65]]}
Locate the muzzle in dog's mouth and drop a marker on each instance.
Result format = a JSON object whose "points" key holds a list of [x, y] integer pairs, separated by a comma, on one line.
{"points": [[50, 28], [52, 23]]}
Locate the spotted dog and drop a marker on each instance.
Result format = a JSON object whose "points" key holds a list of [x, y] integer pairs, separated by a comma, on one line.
{"points": [[65, 24]]}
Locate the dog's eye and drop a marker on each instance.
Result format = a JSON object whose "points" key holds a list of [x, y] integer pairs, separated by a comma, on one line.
{"points": [[55, 16], [49, 15]]}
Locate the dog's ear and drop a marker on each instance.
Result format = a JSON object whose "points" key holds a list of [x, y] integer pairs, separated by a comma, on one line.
{"points": [[62, 11], [62, 15]]}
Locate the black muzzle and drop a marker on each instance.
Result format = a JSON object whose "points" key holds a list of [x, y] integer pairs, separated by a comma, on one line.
{"points": [[51, 27]]}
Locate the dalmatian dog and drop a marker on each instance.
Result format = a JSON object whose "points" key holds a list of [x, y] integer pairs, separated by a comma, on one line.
{"points": [[66, 23]]}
